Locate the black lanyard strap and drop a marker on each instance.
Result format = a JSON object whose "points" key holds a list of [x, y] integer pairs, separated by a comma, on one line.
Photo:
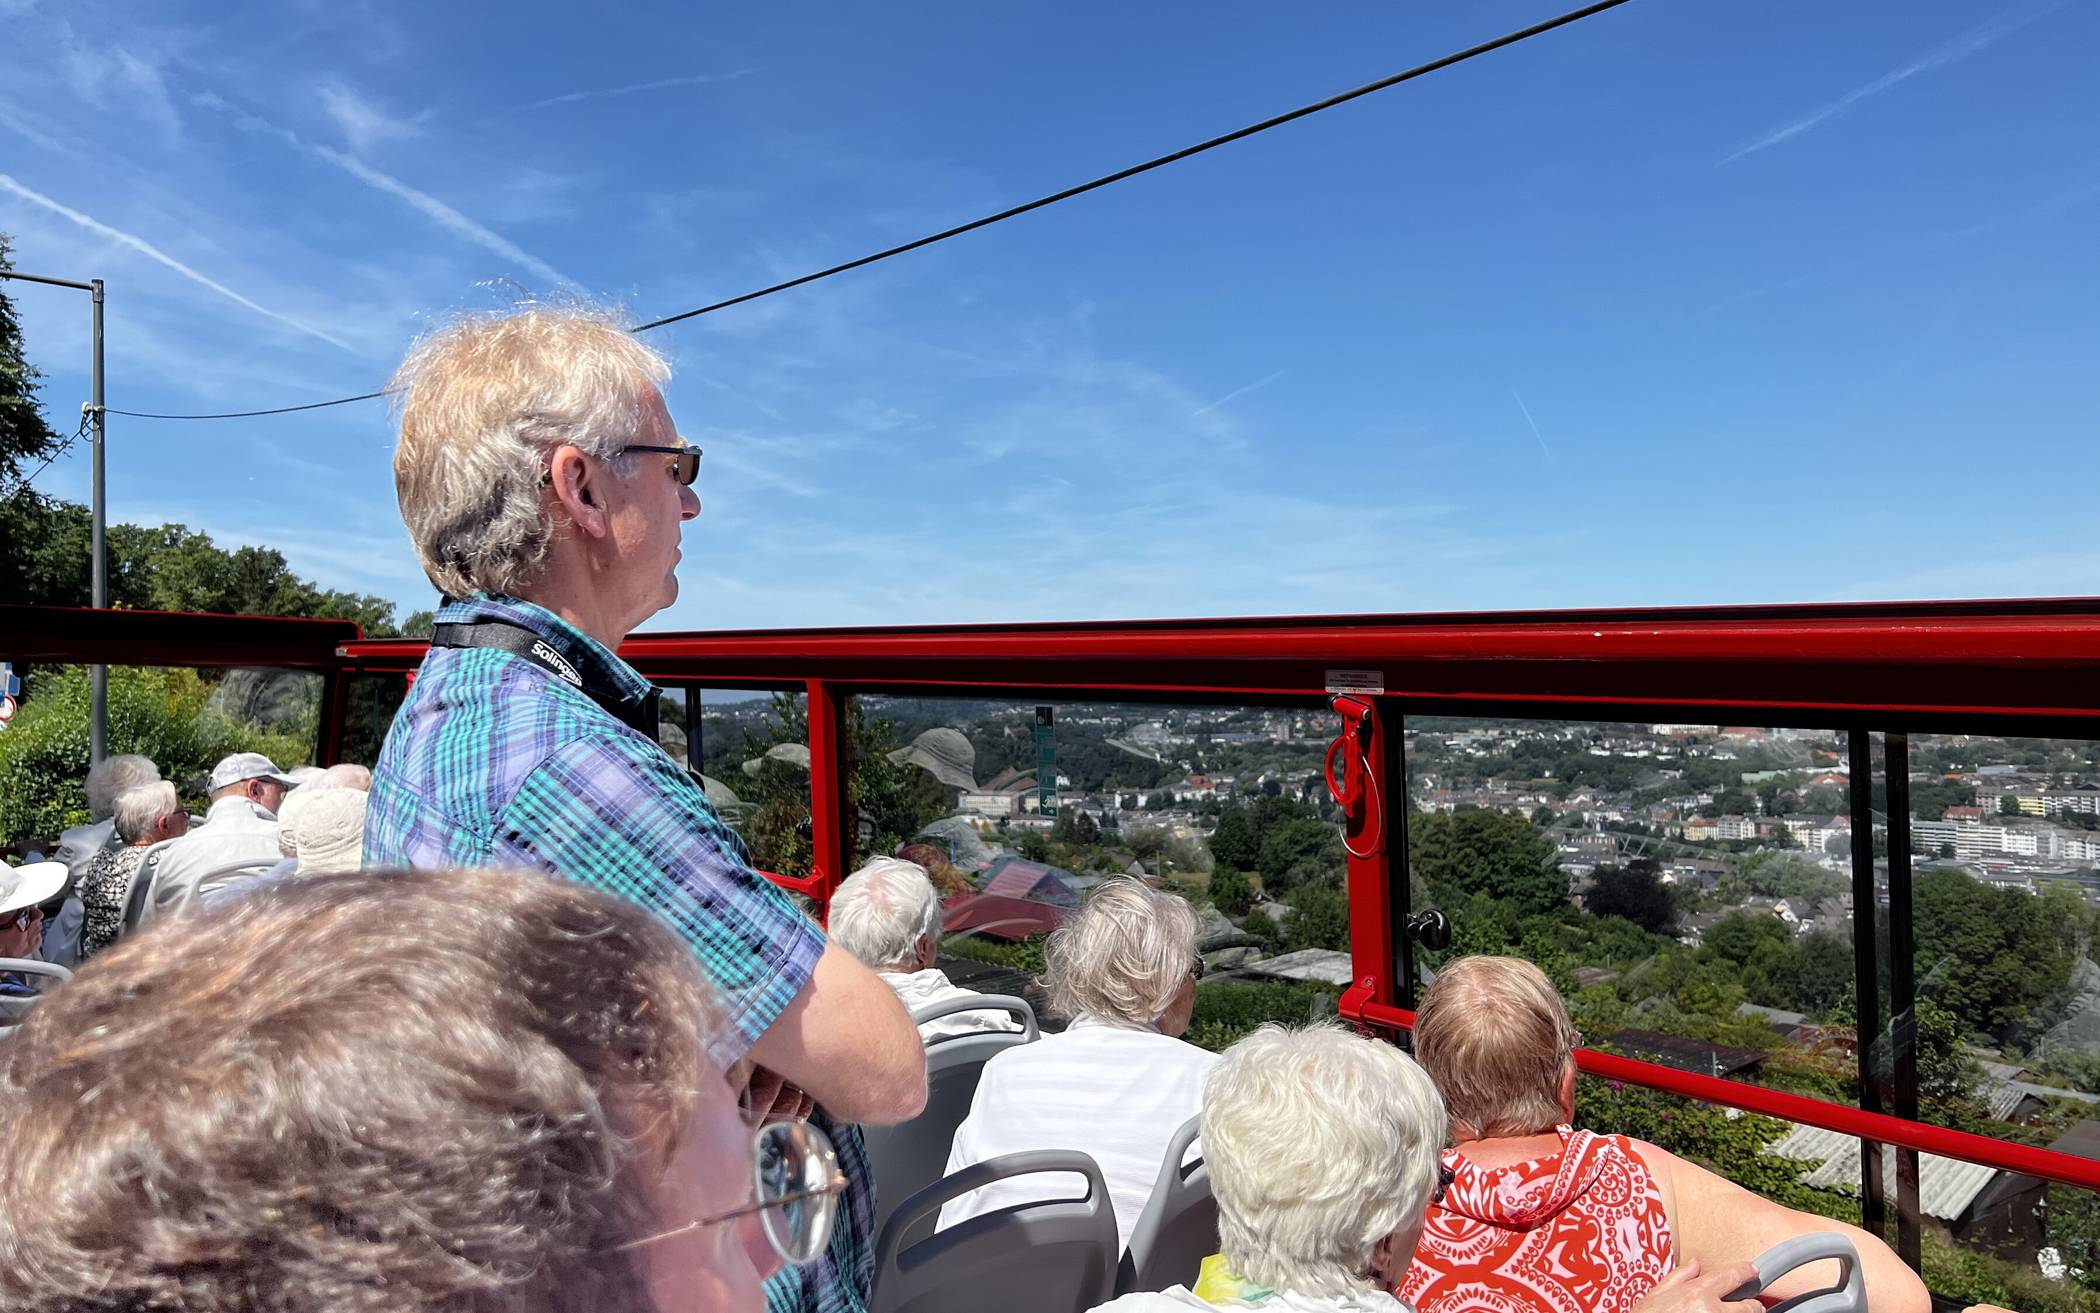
{"points": [[637, 714]]}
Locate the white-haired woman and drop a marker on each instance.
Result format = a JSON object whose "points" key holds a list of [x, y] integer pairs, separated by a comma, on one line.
{"points": [[1119, 1081], [1322, 1147], [144, 815], [888, 915]]}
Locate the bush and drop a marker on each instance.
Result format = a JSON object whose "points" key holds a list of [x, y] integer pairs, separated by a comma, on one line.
{"points": [[1021, 955], [1230, 891], [1229, 1010], [158, 712]]}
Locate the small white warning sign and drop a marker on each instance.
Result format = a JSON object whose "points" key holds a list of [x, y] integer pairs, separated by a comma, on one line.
{"points": [[1356, 681]]}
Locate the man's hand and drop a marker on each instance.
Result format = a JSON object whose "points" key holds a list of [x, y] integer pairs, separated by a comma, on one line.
{"points": [[1688, 1290], [771, 1098]]}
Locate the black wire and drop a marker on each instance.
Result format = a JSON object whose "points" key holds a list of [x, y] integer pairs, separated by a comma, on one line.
{"points": [[63, 447], [1420, 70], [250, 414]]}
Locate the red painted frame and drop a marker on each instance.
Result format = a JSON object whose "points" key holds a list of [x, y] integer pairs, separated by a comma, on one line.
{"points": [[2026, 666]]}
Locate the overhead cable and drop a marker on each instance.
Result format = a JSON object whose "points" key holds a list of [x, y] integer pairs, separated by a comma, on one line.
{"points": [[1303, 111], [86, 418]]}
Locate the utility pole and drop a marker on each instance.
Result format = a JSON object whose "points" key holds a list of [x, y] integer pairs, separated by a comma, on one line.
{"points": [[98, 576]]}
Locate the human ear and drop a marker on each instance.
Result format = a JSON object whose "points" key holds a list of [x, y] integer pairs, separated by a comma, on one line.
{"points": [[577, 484]]}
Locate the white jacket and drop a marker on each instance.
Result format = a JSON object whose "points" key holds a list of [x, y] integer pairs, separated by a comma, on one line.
{"points": [[1117, 1093], [918, 988], [234, 830], [1179, 1299]]}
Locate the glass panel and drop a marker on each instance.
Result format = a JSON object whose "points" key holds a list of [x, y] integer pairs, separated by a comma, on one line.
{"points": [[754, 752], [372, 701], [1016, 814], [2005, 845], [2011, 1245], [1687, 887], [185, 720]]}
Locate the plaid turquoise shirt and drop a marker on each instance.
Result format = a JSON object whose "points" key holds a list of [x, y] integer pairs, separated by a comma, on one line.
{"points": [[495, 761]]}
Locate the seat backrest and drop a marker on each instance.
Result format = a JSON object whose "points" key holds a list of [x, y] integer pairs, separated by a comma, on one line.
{"points": [[1055, 1256], [34, 966], [909, 1157], [1179, 1227], [138, 900], [14, 1008]]}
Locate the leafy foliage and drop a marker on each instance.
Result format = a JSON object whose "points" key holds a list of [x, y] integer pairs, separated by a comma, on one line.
{"points": [[24, 434], [1230, 891], [1635, 892], [1505, 858], [158, 712], [1230, 1010], [1319, 918]]}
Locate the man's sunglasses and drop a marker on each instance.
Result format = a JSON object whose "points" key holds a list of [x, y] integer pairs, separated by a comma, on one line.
{"points": [[799, 1184], [21, 919], [685, 469]]}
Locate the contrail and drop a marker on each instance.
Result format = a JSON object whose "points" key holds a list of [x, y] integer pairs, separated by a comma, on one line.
{"points": [[1976, 39], [1534, 426], [661, 84], [423, 203], [154, 253], [1237, 393]]}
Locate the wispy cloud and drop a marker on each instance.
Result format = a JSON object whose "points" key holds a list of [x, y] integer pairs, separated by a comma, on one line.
{"points": [[1237, 393], [422, 202], [1534, 426], [632, 88], [154, 253], [363, 121], [1975, 40]]}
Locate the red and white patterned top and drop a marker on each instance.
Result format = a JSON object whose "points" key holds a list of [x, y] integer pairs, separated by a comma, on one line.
{"points": [[1580, 1231]]}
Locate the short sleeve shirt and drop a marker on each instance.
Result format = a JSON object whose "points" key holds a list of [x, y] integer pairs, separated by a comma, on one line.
{"points": [[494, 760]]}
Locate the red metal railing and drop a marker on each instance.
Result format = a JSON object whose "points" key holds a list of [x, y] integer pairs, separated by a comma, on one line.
{"points": [[2030, 667]]}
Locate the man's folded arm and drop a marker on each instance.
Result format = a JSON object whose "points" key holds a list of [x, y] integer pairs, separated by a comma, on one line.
{"points": [[847, 1041]]}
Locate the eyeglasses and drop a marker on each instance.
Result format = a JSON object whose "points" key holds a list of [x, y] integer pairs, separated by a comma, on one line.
{"points": [[25, 916], [1445, 1175], [1198, 971], [799, 1184], [685, 469]]}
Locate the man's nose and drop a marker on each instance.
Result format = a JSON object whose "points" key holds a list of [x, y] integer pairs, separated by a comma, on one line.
{"points": [[688, 503]]}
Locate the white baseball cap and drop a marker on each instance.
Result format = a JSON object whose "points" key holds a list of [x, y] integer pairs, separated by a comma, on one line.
{"points": [[26, 886], [243, 766]]}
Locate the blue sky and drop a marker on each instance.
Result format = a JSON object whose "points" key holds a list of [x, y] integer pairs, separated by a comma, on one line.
{"points": [[1694, 302]]}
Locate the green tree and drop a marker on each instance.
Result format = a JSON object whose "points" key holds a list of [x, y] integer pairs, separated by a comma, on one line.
{"points": [[1635, 892], [25, 436], [1296, 844], [1319, 918], [1504, 857], [1234, 843], [1230, 890], [1737, 935], [1990, 956]]}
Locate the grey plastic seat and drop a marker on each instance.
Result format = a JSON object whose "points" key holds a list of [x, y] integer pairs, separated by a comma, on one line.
{"points": [[18, 1008], [1057, 1256], [1179, 1227], [908, 1158], [1849, 1295]]}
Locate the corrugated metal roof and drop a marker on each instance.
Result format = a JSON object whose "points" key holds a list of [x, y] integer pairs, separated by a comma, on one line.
{"points": [[1946, 1186]]}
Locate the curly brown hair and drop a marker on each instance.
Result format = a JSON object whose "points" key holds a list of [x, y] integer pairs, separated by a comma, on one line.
{"points": [[399, 1092]]}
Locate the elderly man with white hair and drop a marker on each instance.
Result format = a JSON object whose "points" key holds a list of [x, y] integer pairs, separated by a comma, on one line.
{"points": [[888, 915], [1119, 1082], [544, 487], [1323, 1154]]}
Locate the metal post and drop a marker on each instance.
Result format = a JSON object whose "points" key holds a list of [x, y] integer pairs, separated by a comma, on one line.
{"points": [[1866, 965], [98, 578], [833, 824], [1903, 1003], [1398, 872], [695, 750], [98, 676]]}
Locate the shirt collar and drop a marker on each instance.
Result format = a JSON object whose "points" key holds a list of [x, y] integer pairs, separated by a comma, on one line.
{"points": [[611, 681]]}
